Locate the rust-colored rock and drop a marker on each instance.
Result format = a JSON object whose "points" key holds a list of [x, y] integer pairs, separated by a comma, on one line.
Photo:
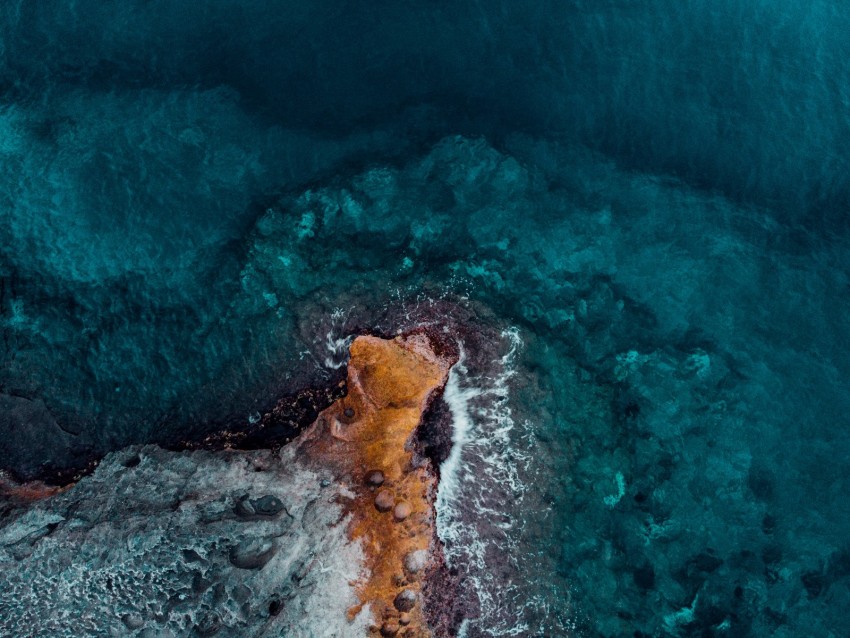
{"points": [[384, 501], [389, 629], [28, 492], [375, 478], [370, 433], [401, 511]]}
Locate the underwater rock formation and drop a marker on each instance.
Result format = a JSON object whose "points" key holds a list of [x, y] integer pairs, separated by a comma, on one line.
{"points": [[247, 543]]}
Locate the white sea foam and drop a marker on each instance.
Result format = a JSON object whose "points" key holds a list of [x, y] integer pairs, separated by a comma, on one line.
{"points": [[337, 343], [481, 492]]}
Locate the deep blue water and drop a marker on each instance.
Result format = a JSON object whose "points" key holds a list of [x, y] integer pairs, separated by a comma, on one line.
{"points": [[654, 196]]}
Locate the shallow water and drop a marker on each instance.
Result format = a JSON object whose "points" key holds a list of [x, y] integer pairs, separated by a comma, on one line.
{"points": [[200, 204]]}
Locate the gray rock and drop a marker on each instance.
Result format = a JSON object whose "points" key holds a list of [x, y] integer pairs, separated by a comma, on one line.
{"points": [[168, 547], [252, 554]]}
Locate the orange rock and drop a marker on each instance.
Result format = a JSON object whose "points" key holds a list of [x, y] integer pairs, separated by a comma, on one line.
{"points": [[390, 384], [401, 511], [28, 492], [389, 629], [384, 501], [375, 478]]}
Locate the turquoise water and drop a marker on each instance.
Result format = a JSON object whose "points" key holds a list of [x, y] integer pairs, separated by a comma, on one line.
{"points": [[646, 203]]}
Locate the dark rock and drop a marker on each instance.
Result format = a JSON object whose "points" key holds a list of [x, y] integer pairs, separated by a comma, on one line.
{"points": [[389, 629], [644, 577], [267, 505], [209, 625], [705, 562], [252, 553], [760, 482], [263, 507], [768, 524], [772, 555], [814, 583], [710, 615], [375, 478], [132, 621], [405, 600], [435, 432], [275, 605], [839, 564], [384, 501]]}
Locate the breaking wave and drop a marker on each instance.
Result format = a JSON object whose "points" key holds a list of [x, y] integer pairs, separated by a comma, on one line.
{"points": [[483, 484]]}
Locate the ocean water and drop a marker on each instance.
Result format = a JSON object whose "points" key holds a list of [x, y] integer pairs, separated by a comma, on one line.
{"points": [[642, 207]]}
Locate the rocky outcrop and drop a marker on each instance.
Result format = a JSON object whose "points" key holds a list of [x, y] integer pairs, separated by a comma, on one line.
{"points": [[331, 536]]}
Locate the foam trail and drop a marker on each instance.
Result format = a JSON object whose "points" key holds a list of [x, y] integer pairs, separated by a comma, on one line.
{"points": [[458, 400], [336, 346], [480, 496]]}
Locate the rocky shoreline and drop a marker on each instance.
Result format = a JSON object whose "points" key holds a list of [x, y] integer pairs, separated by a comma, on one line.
{"points": [[331, 535]]}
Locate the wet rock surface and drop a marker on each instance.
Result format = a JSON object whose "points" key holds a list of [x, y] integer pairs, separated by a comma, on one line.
{"points": [[182, 544], [243, 542]]}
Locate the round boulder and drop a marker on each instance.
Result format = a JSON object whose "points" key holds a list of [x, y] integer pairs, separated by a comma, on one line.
{"points": [[405, 600], [416, 561], [401, 511], [375, 478], [252, 553], [384, 501], [389, 628]]}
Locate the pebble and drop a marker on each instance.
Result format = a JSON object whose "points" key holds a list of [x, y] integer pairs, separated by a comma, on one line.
{"points": [[401, 511], [389, 629], [406, 600], [416, 561], [384, 501], [375, 478], [252, 553], [133, 621], [265, 506], [404, 619]]}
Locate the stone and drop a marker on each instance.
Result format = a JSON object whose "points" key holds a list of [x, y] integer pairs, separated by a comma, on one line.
{"points": [[389, 628], [375, 478], [384, 501], [133, 621], [405, 600], [401, 511], [416, 561], [404, 619], [265, 506], [252, 553]]}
